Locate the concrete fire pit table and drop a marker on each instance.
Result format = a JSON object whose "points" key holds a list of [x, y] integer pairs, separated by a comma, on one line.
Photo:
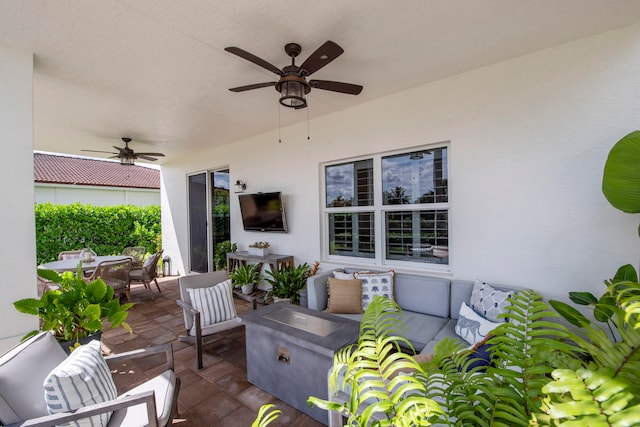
{"points": [[290, 350]]}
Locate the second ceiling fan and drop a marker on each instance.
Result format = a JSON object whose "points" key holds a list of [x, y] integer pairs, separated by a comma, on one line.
{"points": [[126, 155], [293, 84]]}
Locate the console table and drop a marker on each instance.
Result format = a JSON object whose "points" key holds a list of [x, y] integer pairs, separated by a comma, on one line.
{"points": [[236, 259]]}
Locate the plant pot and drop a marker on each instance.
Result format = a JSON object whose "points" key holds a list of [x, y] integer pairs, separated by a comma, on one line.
{"points": [[66, 345], [259, 251], [247, 288]]}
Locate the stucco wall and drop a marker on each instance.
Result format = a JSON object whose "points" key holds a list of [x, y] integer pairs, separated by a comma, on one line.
{"points": [[528, 141], [97, 196], [17, 230]]}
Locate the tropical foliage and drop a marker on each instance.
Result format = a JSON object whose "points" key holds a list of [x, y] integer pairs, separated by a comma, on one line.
{"points": [[524, 351], [373, 371], [245, 275], [105, 229], [287, 281], [77, 309], [621, 177], [605, 388], [220, 256]]}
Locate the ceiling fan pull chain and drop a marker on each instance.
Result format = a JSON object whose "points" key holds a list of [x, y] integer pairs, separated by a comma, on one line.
{"points": [[279, 131], [308, 137]]}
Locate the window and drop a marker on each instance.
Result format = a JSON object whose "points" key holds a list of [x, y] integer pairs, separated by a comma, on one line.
{"points": [[390, 209]]}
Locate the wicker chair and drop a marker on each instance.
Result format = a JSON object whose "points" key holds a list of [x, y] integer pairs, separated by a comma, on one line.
{"points": [[147, 273], [115, 274], [136, 253]]}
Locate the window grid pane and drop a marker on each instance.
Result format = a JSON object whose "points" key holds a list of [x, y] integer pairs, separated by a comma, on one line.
{"points": [[417, 236], [352, 234]]}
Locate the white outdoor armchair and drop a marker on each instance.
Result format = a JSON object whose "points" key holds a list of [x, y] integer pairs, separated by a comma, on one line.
{"points": [[24, 368], [197, 330]]}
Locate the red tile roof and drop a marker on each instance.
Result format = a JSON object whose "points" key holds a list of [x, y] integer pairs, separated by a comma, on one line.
{"points": [[74, 170]]}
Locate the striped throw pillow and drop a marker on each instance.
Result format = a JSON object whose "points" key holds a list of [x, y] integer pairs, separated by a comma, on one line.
{"points": [[214, 303], [82, 379]]}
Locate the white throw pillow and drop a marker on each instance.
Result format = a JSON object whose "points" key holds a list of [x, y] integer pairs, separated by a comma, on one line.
{"points": [[488, 302], [375, 284], [214, 303], [472, 327], [82, 379], [341, 275]]}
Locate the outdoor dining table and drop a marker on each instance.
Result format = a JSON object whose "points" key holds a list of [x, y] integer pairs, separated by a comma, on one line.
{"points": [[72, 263]]}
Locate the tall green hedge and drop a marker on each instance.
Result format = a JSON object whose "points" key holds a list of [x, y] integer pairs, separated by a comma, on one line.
{"points": [[105, 229]]}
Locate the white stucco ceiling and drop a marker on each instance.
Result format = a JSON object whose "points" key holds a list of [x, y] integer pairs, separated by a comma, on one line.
{"points": [[156, 70]]}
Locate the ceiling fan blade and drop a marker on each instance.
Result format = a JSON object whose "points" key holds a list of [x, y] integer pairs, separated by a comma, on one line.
{"points": [[253, 86], [143, 156], [252, 58], [321, 57], [347, 88], [99, 151], [150, 154]]}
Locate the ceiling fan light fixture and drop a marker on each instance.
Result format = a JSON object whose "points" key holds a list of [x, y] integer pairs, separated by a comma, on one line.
{"points": [[292, 94], [127, 161]]}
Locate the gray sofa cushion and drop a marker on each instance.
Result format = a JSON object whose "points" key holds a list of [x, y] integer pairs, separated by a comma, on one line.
{"points": [[447, 331], [421, 294], [421, 328], [22, 373]]}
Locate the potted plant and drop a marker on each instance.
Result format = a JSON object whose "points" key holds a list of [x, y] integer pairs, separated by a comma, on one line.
{"points": [[76, 309], [245, 277], [287, 282], [259, 248]]}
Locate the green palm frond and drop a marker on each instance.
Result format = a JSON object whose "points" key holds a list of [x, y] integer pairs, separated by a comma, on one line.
{"points": [[266, 415], [589, 396], [383, 383], [524, 351]]}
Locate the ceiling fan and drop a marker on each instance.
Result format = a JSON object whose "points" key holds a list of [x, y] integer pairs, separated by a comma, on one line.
{"points": [[293, 84], [126, 155]]}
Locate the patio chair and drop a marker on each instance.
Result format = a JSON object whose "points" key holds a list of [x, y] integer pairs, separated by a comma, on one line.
{"points": [[147, 273], [115, 274], [69, 255], [136, 253], [207, 305], [25, 368]]}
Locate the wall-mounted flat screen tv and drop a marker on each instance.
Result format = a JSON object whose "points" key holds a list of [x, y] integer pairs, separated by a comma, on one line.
{"points": [[263, 212]]}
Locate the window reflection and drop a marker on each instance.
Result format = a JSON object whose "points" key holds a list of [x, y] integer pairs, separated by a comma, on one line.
{"points": [[349, 184], [415, 177]]}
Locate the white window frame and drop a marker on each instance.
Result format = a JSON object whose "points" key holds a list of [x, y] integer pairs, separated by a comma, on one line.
{"points": [[379, 210]]}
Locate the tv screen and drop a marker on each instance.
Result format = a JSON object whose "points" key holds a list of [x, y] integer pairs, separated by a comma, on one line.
{"points": [[263, 212]]}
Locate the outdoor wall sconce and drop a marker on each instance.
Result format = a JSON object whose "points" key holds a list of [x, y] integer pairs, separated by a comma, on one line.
{"points": [[240, 186]]}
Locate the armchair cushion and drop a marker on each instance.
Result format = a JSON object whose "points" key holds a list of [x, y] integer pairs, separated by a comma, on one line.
{"points": [[81, 380], [22, 372], [215, 303], [164, 387]]}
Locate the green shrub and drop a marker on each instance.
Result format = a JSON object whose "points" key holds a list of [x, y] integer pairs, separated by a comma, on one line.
{"points": [[105, 229]]}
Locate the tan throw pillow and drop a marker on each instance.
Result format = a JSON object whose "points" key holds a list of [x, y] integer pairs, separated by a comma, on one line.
{"points": [[345, 296]]}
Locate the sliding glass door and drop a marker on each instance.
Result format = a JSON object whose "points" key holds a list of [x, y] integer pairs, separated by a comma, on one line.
{"points": [[209, 222]]}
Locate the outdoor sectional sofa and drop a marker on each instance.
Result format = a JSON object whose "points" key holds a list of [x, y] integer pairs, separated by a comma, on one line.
{"points": [[430, 305]]}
